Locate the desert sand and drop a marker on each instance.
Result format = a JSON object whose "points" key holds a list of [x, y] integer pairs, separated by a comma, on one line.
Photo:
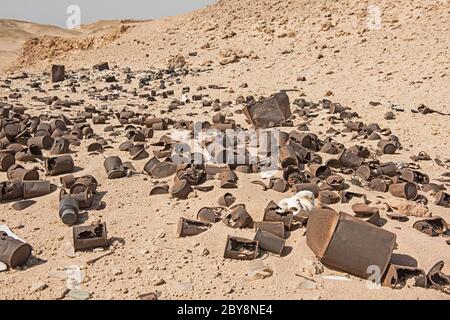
{"points": [[268, 45]]}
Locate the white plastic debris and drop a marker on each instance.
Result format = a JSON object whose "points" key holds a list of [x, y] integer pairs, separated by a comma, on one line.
{"points": [[267, 174], [69, 250], [5, 228], [307, 285], [3, 267], [184, 286], [258, 270], [79, 294], [337, 278], [302, 201], [184, 98], [75, 277]]}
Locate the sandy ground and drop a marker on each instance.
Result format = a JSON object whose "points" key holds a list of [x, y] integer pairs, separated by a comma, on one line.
{"points": [[405, 63]]}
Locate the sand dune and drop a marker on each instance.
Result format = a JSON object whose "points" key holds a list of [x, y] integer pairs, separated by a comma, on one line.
{"points": [[14, 33]]}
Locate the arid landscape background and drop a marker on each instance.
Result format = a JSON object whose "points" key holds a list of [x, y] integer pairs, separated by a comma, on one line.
{"points": [[268, 45]]}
